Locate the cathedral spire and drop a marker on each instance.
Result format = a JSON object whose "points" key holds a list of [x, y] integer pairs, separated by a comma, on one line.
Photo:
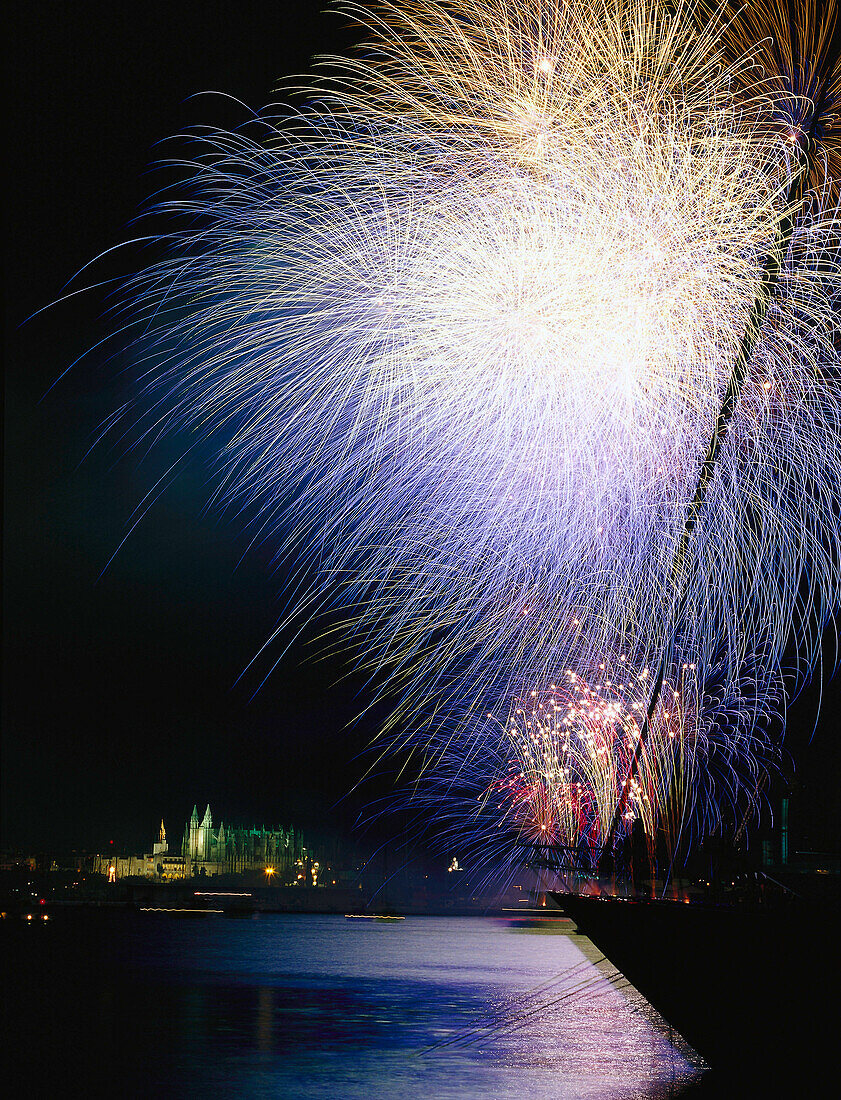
{"points": [[207, 819], [194, 816], [162, 833]]}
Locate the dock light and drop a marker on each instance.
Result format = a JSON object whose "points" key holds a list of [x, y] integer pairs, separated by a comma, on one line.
{"points": [[269, 872]]}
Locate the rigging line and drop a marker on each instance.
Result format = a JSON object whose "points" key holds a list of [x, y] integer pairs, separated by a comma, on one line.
{"points": [[771, 271], [615, 981], [500, 1024], [475, 1034], [527, 994]]}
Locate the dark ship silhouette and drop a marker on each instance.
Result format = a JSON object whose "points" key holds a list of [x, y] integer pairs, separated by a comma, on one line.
{"points": [[749, 979]]}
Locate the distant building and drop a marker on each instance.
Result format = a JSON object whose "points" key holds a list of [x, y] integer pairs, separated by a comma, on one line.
{"points": [[229, 850]]}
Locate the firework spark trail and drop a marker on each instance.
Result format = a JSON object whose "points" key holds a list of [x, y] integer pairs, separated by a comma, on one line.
{"points": [[462, 330], [543, 782], [570, 753], [770, 277], [806, 107]]}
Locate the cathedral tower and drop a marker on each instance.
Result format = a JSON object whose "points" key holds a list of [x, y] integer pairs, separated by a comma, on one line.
{"points": [[205, 835]]}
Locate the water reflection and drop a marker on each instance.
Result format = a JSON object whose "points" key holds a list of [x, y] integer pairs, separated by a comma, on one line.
{"points": [[309, 1007], [265, 1007]]}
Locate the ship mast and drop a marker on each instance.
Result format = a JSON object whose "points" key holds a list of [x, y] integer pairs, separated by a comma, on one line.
{"points": [[804, 147]]}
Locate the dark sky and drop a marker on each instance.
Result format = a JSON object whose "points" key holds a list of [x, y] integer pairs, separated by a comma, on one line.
{"points": [[119, 696]]}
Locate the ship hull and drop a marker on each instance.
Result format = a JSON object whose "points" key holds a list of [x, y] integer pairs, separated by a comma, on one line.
{"points": [[754, 991]]}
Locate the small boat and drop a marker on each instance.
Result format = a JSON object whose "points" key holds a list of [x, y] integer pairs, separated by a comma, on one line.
{"points": [[180, 913], [539, 921], [379, 918]]}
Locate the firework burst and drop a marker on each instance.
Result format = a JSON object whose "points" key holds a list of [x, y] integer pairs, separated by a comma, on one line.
{"points": [[463, 327], [538, 780], [570, 751]]}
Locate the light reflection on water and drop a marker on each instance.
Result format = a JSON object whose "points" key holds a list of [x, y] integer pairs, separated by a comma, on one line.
{"points": [[320, 1007]]}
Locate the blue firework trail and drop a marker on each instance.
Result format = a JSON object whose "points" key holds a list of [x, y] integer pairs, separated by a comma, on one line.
{"points": [[462, 328]]}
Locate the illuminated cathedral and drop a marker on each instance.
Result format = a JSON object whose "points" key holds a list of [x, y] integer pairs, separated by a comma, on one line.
{"points": [[227, 850], [230, 850]]}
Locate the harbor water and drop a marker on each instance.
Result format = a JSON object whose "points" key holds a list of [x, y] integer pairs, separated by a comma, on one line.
{"points": [[146, 1004]]}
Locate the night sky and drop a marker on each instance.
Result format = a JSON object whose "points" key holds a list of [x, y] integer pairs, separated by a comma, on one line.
{"points": [[120, 694]]}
